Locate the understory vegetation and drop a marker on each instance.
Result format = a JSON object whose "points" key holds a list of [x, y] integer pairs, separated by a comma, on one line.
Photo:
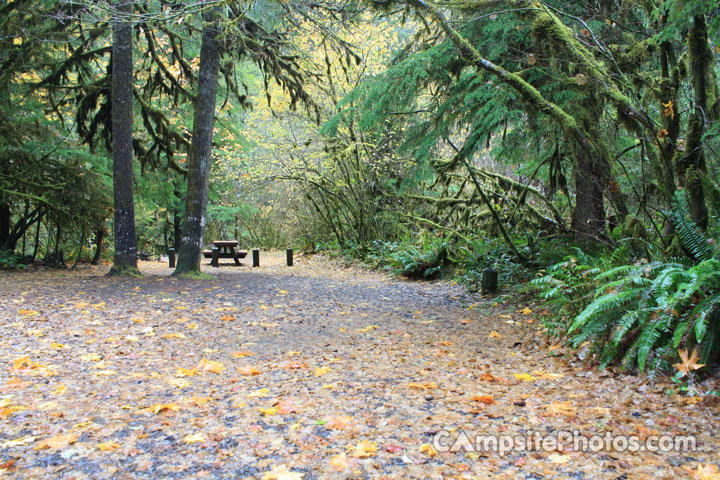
{"points": [[570, 146]]}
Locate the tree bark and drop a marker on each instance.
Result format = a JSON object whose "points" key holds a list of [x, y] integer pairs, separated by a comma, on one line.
{"points": [[125, 257], [201, 148], [4, 224], [692, 167], [588, 220], [99, 238]]}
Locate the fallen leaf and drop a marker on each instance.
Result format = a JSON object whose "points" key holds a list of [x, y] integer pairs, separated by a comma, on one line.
{"points": [[320, 371], [524, 377], [18, 442], [206, 365], [428, 449], [706, 472], [561, 408], [281, 472], [286, 407], [163, 407], [194, 438], [108, 446], [339, 462], [56, 442], [263, 392], [363, 449], [486, 399], [248, 370], [688, 364]]}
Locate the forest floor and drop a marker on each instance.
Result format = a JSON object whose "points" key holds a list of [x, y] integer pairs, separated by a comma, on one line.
{"points": [[313, 372]]}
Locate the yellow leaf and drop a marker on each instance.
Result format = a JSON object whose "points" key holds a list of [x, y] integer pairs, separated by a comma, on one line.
{"points": [[363, 449], [194, 438], [59, 389], [22, 362], [422, 386], [173, 335], [108, 446], [209, 366], [524, 376], [526, 311], [429, 449], [162, 407], [494, 334], [242, 354], [186, 372], [367, 329], [263, 392], [268, 412], [320, 371], [196, 400], [57, 346], [706, 472]]}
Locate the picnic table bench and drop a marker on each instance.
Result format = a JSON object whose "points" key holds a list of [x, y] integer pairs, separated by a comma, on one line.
{"points": [[226, 249]]}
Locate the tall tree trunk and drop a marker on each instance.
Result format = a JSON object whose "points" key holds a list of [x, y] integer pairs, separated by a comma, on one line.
{"points": [[588, 221], [177, 221], [4, 224], [99, 238], [37, 239], [691, 167], [125, 258], [201, 148]]}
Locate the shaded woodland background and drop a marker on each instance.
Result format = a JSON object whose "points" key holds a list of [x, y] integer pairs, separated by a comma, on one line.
{"points": [[570, 142]]}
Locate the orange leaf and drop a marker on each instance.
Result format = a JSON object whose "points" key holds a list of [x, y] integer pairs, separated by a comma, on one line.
{"points": [[339, 462], [248, 370], [486, 399], [208, 366], [688, 364], [58, 441], [286, 407]]}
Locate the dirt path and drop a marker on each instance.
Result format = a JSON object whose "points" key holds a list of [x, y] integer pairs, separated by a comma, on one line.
{"points": [[322, 371]]}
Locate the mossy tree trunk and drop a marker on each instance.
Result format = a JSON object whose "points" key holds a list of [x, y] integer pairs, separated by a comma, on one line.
{"points": [[201, 148], [125, 257], [691, 167], [592, 161]]}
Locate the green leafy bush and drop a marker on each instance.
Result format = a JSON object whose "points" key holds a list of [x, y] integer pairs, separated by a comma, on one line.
{"points": [[424, 261], [640, 314], [8, 260]]}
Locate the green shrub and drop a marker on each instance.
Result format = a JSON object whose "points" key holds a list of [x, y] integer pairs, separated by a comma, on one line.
{"points": [[424, 261], [640, 314], [8, 260]]}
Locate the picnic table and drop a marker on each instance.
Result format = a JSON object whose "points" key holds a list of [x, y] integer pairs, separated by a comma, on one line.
{"points": [[226, 249]]}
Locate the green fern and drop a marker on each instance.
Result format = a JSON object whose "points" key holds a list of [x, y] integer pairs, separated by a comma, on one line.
{"points": [[691, 236]]}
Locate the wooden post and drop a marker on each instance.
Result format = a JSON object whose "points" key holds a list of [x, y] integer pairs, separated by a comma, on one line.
{"points": [[489, 280], [255, 257], [171, 257], [215, 262], [289, 257]]}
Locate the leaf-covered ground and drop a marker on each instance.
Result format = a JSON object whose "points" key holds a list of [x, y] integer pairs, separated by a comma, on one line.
{"points": [[309, 372]]}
